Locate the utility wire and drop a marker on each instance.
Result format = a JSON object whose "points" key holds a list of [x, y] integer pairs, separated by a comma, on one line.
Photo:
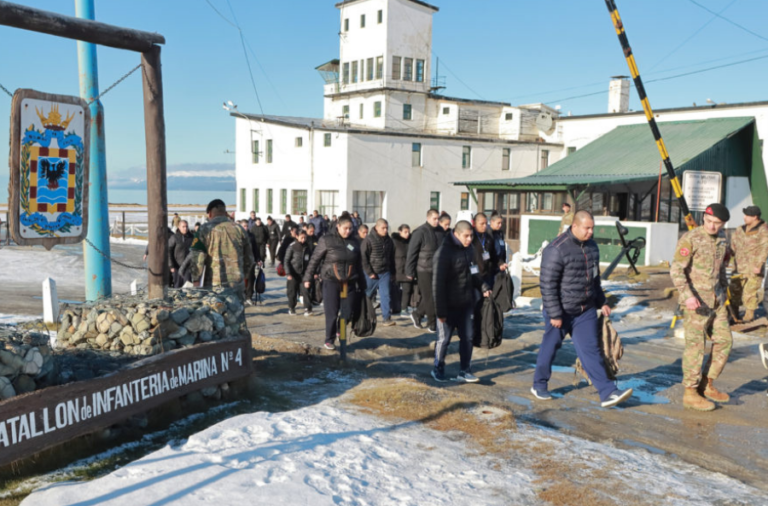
{"points": [[245, 53], [737, 25]]}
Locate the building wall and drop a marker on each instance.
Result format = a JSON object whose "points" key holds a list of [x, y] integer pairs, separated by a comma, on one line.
{"points": [[359, 44], [409, 34]]}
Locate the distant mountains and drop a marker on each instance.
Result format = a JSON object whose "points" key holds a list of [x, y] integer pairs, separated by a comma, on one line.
{"points": [[181, 177]]}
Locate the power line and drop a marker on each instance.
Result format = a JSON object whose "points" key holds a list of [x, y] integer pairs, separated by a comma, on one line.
{"points": [[737, 25], [245, 53]]}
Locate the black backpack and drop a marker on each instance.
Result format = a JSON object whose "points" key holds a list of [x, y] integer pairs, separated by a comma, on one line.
{"points": [[260, 286], [317, 292], [503, 291], [489, 324], [364, 324]]}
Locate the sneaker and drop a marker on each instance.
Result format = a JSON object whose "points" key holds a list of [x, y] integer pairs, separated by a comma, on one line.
{"points": [[466, 377], [764, 355], [431, 330], [416, 321], [329, 346], [617, 397], [249, 302], [292, 312], [438, 376], [388, 323], [542, 395], [376, 305], [308, 313], [403, 314]]}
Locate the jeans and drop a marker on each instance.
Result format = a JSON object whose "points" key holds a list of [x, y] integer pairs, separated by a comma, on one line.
{"points": [[461, 321], [584, 333], [381, 283]]}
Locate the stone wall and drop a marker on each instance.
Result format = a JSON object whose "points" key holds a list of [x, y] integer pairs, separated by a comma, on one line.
{"points": [[26, 362]]}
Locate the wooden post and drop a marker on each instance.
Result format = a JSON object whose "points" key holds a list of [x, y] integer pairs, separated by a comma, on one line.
{"points": [[50, 301], [157, 204], [123, 225]]}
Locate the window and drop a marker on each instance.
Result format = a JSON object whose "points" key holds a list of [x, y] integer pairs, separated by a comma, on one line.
{"points": [[299, 201], [255, 200], [346, 25], [407, 111], [408, 69], [380, 17], [547, 202], [362, 20], [379, 67], [396, 68], [532, 202], [327, 140], [362, 108], [354, 71], [544, 159], [255, 152], [571, 149], [269, 201], [269, 150], [345, 73], [434, 200], [465, 201], [420, 71], [242, 200], [368, 204], [505, 159], [416, 154], [446, 110], [299, 142], [369, 69], [283, 201], [328, 202], [377, 109], [345, 111], [466, 157], [508, 116]]}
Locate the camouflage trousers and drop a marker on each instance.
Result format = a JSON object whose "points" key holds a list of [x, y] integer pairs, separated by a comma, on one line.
{"points": [[699, 325], [746, 291]]}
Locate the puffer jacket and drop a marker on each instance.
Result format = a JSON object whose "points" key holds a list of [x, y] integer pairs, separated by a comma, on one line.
{"points": [[421, 249], [453, 284], [401, 255], [274, 232], [500, 245], [296, 259], [482, 244], [570, 276], [260, 233], [378, 254], [178, 248], [334, 256]]}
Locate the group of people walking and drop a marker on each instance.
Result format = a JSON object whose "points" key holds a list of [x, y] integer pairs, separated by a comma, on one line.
{"points": [[442, 273]]}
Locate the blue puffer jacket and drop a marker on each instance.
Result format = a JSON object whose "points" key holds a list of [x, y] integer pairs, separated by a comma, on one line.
{"points": [[570, 276]]}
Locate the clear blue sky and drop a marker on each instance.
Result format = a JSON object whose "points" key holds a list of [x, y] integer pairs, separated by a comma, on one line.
{"points": [[511, 50]]}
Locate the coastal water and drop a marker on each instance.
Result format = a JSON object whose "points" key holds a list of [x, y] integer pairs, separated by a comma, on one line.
{"points": [[174, 197]]}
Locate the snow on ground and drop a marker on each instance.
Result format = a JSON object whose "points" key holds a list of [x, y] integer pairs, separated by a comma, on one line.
{"points": [[331, 453]]}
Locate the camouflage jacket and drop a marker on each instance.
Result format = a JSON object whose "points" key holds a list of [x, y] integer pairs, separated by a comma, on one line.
{"points": [[566, 221], [227, 258], [698, 269], [750, 249]]}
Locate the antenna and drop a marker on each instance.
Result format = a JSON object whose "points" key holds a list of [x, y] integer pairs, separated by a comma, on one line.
{"points": [[438, 83]]}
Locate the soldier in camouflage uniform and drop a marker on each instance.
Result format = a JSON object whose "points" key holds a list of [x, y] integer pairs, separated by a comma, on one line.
{"points": [[567, 219], [698, 272], [749, 244], [224, 251]]}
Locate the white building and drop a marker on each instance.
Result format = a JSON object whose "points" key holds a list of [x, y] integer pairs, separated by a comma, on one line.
{"points": [[388, 144]]}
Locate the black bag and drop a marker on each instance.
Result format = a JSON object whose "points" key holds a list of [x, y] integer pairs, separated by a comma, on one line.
{"points": [[364, 323], [260, 285], [317, 292], [396, 297], [504, 291], [489, 324]]}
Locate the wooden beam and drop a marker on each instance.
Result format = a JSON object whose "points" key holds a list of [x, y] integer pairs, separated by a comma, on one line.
{"points": [[36, 20], [157, 197]]}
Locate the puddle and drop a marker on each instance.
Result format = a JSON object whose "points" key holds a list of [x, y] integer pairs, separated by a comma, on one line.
{"points": [[520, 400], [637, 444], [556, 368], [645, 391]]}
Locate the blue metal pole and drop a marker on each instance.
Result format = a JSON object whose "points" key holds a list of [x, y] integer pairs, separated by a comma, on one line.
{"points": [[98, 267]]}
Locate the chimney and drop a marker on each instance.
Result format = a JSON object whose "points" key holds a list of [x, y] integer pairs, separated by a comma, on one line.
{"points": [[618, 95]]}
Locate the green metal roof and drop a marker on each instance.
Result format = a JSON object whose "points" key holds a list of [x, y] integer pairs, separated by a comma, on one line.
{"points": [[628, 154]]}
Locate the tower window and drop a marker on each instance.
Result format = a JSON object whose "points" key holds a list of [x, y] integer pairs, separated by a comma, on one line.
{"points": [[407, 111], [380, 17], [420, 71], [396, 68], [362, 21], [408, 69]]}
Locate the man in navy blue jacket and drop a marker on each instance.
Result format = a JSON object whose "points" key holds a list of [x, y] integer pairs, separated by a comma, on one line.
{"points": [[571, 294]]}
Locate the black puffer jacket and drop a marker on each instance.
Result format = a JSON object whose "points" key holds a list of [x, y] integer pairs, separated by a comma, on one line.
{"points": [[296, 259], [260, 233], [482, 244], [178, 248], [336, 255], [378, 254], [401, 255], [570, 276], [274, 232], [453, 283], [421, 250]]}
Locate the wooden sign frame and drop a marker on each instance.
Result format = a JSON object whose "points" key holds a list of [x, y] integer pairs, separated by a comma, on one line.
{"points": [[33, 422], [18, 155]]}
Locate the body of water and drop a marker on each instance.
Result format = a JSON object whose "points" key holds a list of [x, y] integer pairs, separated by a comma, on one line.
{"points": [[174, 197]]}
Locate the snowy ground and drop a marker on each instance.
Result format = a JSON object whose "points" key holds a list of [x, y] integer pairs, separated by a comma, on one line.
{"points": [[332, 453]]}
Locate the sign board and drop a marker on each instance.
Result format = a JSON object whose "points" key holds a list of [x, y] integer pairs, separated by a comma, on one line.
{"points": [[50, 138], [32, 422], [701, 188]]}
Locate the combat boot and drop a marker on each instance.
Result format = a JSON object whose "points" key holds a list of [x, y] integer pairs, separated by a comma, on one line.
{"points": [[749, 315], [692, 400], [708, 390]]}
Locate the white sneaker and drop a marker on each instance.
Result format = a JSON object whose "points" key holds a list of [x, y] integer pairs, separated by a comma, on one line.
{"points": [[617, 397], [764, 355], [466, 377]]}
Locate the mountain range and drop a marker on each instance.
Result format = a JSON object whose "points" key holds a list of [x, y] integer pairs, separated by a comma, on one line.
{"points": [[181, 177]]}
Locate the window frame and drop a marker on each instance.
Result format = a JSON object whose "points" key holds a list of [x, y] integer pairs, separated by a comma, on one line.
{"points": [[283, 201], [466, 157], [434, 200], [506, 153], [446, 111], [544, 159], [345, 73], [255, 203], [379, 67], [296, 199], [464, 204], [327, 140], [369, 69], [416, 159], [346, 24], [508, 116], [397, 68], [254, 152], [269, 150], [362, 110], [270, 196], [345, 111], [380, 17], [355, 63], [407, 69], [377, 109], [241, 207], [368, 213], [420, 68], [362, 20], [407, 112], [299, 142]]}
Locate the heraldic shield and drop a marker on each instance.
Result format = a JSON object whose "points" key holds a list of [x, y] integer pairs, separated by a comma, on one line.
{"points": [[49, 168]]}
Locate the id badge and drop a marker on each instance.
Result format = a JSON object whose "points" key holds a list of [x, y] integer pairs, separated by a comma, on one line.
{"points": [[501, 243], [350, 247], [594, 272], [306, 258], [486, 255], [473, 269]]}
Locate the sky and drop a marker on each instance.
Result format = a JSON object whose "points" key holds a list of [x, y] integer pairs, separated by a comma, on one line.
{"points": [[507, 50]]}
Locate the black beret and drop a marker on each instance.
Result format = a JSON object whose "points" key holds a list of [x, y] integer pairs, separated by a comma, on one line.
{"points": [[752, 211], [719, 211]]}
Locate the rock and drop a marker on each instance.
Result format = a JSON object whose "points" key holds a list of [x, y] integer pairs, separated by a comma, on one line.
{"points": [[198, 324], [179, 333], [115, 329], [187, 340], [33, 362], [180, 315], [219, 307], [218, 321], [128, 350], [165, 329], [126, 338], [209, 392], [205, 336], [12, 360], [93, 315], [102, 340], [77, 337], [24, 384], [202, 311], [6, 388], [104, 322], [163, 315], [83, 374], [169, 345], [6, 370]]}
